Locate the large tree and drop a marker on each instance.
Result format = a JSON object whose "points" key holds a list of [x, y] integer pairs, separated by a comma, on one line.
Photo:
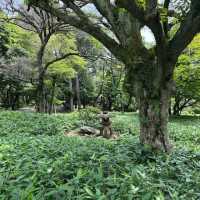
{"points": [[149, 70], [44, 25]]}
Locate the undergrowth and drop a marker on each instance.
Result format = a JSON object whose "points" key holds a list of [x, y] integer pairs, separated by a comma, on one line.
{"points": [[37, 162]]}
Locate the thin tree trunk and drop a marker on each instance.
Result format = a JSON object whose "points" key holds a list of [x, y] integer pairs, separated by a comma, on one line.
{"points": [[101, 87], [78, 92], [15, 101], [40, 106], [176, 107], [52, 95], [71, 101], [45, 101]]}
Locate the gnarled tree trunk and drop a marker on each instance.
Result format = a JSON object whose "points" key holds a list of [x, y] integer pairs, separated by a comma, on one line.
{"points": [[152, 88], [153, 114]]}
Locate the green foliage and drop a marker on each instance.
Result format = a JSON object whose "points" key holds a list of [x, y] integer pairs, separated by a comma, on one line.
{"points": [[62, 68], [19, 41], [163, 14], [43, 167], [31, 124], [141, 3], [87, 87], [17, 70], [187, 75], [196, 110], [125, 123], [61, 44], [4, 38], [89, 116], [110, 84], [187, 80]]}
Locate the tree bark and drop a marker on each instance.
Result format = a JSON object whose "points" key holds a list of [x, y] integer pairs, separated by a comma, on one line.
{"points": [[153, 120], [152, 89]]}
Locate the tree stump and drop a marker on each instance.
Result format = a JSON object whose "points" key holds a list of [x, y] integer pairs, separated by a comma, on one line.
{"points": [[106, 129]]}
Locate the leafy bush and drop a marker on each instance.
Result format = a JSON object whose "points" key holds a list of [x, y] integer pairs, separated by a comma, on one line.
{"points": [[89, 116]]}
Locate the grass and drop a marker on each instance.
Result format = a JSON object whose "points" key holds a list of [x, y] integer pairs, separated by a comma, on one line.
{"points": [[38, 162]]}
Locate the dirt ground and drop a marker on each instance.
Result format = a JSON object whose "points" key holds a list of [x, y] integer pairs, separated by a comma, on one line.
{"points": [[75, 133]]}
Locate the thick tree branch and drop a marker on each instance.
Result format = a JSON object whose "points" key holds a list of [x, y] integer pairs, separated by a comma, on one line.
{"points": [[108, 11], [86, 25], [188, 29], [133, 8], [124, 26]]}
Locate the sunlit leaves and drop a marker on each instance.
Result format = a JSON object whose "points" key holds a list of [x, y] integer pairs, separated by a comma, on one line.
{"points": [[59, 45], [62, 68]]}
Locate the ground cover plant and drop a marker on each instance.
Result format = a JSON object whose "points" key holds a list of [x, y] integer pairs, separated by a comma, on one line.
{"points": [[38, 162]]}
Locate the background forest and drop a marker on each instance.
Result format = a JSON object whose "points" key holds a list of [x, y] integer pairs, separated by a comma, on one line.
{"points": [[48, 66]]}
